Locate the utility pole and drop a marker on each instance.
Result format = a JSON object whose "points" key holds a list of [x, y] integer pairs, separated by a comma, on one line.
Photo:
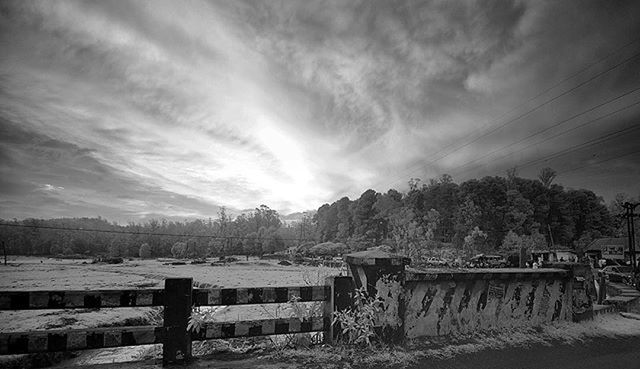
{"points": [[4, 251], [629, 215]]}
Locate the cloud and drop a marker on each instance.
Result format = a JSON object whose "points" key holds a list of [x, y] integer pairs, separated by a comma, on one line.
{"points": [[290, 104], [83, 185], [51, 188]]}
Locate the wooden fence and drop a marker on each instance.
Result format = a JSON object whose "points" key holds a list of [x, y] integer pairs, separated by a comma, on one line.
{"points": [[177, 298]]}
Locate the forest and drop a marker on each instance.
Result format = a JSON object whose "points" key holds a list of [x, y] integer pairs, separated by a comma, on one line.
{"points": [[492, 215]]}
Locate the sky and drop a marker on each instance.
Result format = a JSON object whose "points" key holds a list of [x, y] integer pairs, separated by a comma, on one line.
{"points": [[142, 109]]}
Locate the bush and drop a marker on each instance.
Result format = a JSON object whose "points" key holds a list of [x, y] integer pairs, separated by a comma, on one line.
{"points": [[145, 251], [179, 250], [328, 248], [356, 323]]}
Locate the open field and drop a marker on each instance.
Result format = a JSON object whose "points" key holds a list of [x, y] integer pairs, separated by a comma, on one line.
{"points": [[30, 273]]}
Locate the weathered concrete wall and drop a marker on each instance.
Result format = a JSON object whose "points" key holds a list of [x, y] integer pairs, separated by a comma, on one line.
{"points": [[461, 302], [382, 275]]}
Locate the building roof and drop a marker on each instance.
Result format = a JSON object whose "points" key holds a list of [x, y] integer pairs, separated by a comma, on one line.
{"points": [[563, 249], [599, 243]]}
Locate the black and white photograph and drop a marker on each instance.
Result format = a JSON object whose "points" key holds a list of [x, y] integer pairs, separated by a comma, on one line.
{"points": [[279, 184]]}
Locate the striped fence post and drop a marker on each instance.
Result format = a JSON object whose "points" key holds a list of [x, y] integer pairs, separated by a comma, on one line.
{"points": [[176, 348]]}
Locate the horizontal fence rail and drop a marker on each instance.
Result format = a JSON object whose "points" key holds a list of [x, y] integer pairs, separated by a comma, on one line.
{"points": [[266, 327], [95, 338], [32, 300], [258, 295], [78, 339]]}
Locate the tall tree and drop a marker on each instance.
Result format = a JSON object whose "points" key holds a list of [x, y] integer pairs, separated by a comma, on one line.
{"points": [[519, 213], [588, 215], [364, 216]]}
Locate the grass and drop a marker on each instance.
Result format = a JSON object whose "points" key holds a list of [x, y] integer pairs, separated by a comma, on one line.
{"points": [[324, 356], [448, 347]]}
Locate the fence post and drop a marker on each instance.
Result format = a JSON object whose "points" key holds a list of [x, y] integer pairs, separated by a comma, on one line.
{"points": [[340, 298], [176, 348]]}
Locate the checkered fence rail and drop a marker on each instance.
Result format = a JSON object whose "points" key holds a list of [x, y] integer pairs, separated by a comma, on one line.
{"points": [[95, 338], [85, 299]]}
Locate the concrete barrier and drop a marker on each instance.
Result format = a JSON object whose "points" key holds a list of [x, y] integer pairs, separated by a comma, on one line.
{"points": [[462, 302], [438, 302]]}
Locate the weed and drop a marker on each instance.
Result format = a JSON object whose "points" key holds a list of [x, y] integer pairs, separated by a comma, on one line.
{"points": [[357, 323], [200, 315]]}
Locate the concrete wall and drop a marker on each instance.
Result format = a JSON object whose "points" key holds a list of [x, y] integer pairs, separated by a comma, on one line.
{"points": [[440, 302], [445, 303]]}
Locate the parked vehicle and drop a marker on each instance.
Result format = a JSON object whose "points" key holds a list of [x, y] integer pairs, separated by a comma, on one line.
{"points": [[623, 274], [436, 262], [487, 261]]}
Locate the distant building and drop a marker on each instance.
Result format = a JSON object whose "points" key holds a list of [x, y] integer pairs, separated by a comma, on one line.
{"points": [[551, 256], [610, 249], [566, 255]]}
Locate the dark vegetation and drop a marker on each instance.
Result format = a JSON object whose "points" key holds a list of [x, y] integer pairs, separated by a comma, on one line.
{"points": [[492, 214]]}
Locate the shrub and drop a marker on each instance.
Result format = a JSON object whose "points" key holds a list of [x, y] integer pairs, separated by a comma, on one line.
{"points": [[145, 251], [356, 323], [179, 250], [329, 248]]}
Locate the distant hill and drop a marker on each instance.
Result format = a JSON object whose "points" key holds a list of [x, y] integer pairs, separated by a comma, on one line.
{"points": [[296, 217]]}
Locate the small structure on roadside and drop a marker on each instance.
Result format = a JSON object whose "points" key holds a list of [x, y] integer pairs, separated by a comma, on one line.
{"points": [[555, 255], [616, 249]]}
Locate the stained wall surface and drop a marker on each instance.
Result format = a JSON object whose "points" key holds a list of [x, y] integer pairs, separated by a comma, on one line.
{"points": [[441, 304]]}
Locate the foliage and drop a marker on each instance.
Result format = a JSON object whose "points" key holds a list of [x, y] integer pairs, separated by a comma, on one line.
{"points": [[200, 315], [145, 251], [356, 323], [519, 212], [179, 250], [546, 177], [475, 241], [513, 242], [328, 249], [531, 208]]}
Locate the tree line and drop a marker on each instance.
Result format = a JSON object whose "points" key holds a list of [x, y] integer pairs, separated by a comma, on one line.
{"points": [[254, 233], [491, 214]]}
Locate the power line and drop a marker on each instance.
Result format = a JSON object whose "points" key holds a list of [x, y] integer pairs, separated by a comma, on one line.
{"points": [[148, 233], [600, 162], [580, 146], [441, 238], [557, 124], [583, 145], [513, 120], [582, 70]]}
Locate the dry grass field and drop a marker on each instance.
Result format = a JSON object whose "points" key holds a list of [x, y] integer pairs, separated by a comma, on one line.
{"points": [[29, 273]]}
